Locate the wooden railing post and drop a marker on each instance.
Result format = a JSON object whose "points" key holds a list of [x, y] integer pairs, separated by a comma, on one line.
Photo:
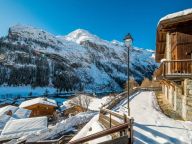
{"points": [[163, 69], [110, 120], [131, 130]]}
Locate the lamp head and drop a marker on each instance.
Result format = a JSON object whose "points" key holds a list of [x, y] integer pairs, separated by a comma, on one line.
{"points": [[128, 40]]}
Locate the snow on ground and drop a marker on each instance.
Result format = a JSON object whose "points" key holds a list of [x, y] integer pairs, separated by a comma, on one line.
{"points": [[10, 94], [151, 125], [24, 91], [93, 126]]}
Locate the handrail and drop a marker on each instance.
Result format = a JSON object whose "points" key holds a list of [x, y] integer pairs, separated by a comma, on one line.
{"points": [[101, 134], [114, 113], [175, 68], [182, 60]]}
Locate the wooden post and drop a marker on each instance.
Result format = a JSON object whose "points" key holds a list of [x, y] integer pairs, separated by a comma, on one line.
{"points": [[163, 69], [131, 130], [125, 118], [110, 120]]}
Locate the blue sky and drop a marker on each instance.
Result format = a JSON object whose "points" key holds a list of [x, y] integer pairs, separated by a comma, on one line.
{"points": [[109, 19]]}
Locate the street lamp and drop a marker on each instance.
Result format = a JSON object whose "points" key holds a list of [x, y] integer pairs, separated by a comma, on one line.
{"points": [[128, 43]]}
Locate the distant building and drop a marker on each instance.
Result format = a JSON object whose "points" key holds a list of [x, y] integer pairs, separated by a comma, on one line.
{"points": [[40, 106], [174, 52], [71, 110]]}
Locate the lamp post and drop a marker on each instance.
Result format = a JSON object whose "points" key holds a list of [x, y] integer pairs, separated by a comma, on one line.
{"points": [[128, 43]]}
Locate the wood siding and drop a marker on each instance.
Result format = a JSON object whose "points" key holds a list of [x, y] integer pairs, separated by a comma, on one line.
{"points": [[41, 110], [181, 48]]}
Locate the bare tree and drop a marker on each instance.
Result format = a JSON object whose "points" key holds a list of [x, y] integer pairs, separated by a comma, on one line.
{"points": [[82, 101], [87, 100]]}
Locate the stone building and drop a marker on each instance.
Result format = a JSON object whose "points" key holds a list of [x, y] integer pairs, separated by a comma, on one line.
{"points": [[174, 53]]}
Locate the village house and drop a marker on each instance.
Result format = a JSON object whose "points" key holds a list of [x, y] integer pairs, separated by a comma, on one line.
{"points": [[174, 53], [40, 106], [68, 111]]}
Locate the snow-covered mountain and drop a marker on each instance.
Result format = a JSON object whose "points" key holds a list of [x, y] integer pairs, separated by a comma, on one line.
{"points": [[77, 61]]}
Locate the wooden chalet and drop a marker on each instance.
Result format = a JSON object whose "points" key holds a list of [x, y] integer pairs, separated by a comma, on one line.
{"points": [[174, 53], [40, 106]]}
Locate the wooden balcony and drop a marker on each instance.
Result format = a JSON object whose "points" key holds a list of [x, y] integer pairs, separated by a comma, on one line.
{"points": [[175, 69]]}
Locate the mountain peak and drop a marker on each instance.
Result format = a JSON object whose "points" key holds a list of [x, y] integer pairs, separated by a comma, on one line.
{"points": [[23, 28], [81, 35], [81, 31], [29, 32]]}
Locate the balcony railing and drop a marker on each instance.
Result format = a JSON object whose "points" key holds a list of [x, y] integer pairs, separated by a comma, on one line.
{"points": [[174, 69]]}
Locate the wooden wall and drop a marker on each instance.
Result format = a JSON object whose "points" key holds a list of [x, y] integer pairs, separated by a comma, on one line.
{"points": [[41, 110], [181, 49], [181, 44]]}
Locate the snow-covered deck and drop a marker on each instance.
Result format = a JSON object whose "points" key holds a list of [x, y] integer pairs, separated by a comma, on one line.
{"points": [[151, 125]]}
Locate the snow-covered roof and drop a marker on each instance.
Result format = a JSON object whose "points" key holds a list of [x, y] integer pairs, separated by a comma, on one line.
{"points": [[64, 125], [21, 113], [40, 100], [3, 120], [177, 14], [7, 108], [17, 113], [21, 127], [65, 107]]}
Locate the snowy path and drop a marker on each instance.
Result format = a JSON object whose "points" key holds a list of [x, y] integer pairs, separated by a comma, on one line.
{"points": [[151, 125]]}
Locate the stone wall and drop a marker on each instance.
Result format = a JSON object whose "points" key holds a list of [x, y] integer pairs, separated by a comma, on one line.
{"points": [[180, 97], [188, 93]]}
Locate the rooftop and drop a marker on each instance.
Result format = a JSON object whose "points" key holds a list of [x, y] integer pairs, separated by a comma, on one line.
{"points": [[40, 100], [16, 113], [20, 127]]}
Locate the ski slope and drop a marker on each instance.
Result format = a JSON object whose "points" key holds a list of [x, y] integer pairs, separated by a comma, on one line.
{"points": [[151, 125]]}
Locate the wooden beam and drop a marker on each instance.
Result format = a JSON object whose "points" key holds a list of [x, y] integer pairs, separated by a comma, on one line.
{"points": [[101, 134]]}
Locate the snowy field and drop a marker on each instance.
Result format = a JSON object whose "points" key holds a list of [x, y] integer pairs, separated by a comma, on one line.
{"points": [[19, 94], [24, 91], [151, 125]]}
